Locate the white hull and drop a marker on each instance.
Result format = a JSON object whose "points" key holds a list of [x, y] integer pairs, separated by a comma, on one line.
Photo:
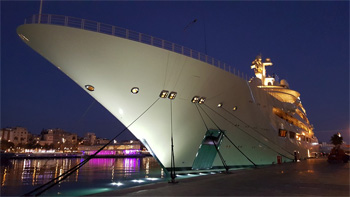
{"points": [[114, 65]]}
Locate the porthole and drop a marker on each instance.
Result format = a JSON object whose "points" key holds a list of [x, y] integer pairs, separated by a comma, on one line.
{"points": [[135, 90], [90, 87]]}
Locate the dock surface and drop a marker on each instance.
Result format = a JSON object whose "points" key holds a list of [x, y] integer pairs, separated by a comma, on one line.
{"points": [[312, 177]]}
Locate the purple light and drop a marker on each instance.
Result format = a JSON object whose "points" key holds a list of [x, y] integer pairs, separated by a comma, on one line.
{"points": [[131, 152], [105, 162], [103, 152], [131, 163]]}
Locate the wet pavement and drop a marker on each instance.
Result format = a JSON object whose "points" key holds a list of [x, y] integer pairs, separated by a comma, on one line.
{"points": [[312, 177]]}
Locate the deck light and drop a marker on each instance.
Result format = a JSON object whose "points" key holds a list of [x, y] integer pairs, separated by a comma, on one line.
{"points": [[90, 87], [172, 95], [117, 184], [135, 90], [164, 94], [201, 100], [195, 99], [219, 105], [234, 108]]}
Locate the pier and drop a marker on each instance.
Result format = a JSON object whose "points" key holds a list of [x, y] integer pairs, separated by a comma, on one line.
{"points": [[312, 177]]}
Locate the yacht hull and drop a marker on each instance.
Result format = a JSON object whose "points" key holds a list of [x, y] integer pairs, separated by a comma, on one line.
{"points": [[114, 65]]}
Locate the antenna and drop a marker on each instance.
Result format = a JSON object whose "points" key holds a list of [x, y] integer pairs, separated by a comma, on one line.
{"points": [[205, 38], [189, 24]]}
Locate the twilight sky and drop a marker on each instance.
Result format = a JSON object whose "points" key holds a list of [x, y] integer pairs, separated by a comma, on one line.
{"points": [[308, 42]]}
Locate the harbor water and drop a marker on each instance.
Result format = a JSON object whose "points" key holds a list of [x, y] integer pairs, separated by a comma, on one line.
{"points": [[19, 176]]}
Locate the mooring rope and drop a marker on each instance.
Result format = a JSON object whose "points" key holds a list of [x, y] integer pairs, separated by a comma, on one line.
{"points": [[250, 135], [172, 165], [255, 130], [216, 148], [228, 138], [202, 117], [221, 157], [72, 170]]}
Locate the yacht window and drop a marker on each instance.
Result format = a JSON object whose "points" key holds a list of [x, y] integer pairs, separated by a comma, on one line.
{"points": [[291, 135], [282, 133]]}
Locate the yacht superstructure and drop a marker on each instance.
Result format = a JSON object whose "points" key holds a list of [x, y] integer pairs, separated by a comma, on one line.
{"points": [[171, 96]]}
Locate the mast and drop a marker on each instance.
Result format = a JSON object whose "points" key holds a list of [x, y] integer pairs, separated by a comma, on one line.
{"points": [[259, 68]]}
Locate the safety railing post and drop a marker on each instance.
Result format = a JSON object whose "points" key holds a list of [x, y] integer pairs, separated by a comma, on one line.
{"points": [[82, 23]]}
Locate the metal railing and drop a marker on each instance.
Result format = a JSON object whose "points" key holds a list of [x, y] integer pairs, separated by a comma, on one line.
{"points": [[128, 34]]}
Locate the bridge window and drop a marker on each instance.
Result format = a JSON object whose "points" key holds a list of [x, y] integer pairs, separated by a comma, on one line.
{"points": [[282, 133], [291, 135]]}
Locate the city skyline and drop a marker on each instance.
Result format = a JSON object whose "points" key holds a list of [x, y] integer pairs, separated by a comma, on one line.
{"points": [[306, 41]]}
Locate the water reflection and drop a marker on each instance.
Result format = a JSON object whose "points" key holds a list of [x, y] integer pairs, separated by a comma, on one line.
{"points": [[21, 176]]}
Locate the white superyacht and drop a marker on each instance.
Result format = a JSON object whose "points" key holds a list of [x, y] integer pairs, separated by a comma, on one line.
{"points": [[192, 112]]}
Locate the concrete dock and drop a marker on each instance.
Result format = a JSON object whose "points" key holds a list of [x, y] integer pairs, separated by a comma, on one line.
{"points": [[312, 177]]}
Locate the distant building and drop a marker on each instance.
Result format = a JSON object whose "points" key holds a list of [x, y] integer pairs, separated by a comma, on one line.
{"points": [[59, 138], [102, 141], [16, 135], [89, 139]]}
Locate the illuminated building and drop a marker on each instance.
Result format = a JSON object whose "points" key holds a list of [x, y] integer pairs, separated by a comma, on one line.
{"points": [[59, 138], [16, 135]]}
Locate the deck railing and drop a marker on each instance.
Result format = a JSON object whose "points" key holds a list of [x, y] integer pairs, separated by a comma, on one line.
{"points": [[129, 34]]}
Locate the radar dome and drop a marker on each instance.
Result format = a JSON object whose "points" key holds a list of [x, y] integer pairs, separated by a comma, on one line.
{"points": [[284, 83]]}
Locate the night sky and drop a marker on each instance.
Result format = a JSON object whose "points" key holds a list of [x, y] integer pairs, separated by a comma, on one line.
{"points": [[308, 42]]}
